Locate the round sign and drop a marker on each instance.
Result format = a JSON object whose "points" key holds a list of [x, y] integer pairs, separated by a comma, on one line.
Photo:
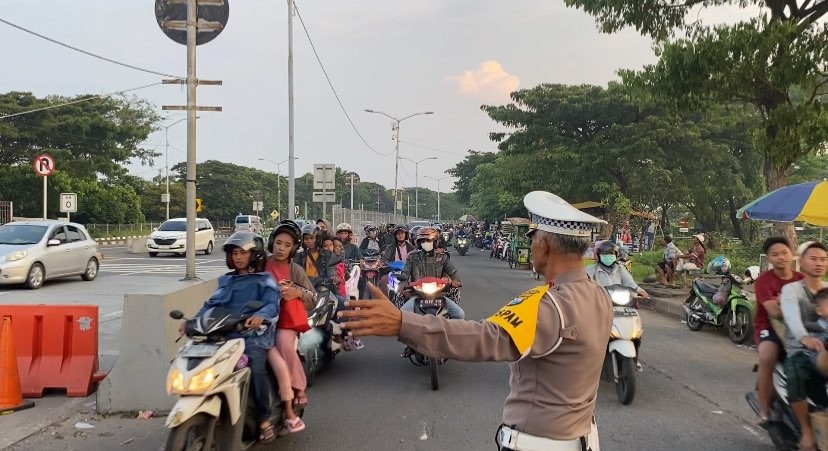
{"points": [[168, 10], [44, 164]]}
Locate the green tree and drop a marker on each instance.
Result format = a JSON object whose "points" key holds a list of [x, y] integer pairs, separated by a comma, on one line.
{"points": [[466, 170]]}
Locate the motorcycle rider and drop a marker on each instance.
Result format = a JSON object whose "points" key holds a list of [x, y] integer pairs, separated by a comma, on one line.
{"points": [[371, 240], [387, 235], [608, 271], [427, 263], [314, 260], [769, 345], [344, 232], [397, 251], [245, 256]]}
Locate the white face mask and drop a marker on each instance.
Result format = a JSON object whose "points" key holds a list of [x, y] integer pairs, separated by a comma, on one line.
{"points": [[427, 246]]}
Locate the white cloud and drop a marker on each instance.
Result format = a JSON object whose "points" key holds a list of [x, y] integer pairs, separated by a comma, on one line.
{"points": [[489, 81]]}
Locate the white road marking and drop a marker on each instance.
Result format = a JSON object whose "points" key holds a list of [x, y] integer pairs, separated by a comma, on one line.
{"points": [[126, 269], [4, 292]]}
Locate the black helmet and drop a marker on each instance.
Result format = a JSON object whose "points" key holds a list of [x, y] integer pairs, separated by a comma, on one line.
{"points": [[248, 241], [401, 228], [393, 227], [310, 229], [291, 228], [606, 247]]}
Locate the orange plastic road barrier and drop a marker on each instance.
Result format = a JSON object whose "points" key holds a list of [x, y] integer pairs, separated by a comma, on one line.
{"points": [[57, 347], [11, 398]]}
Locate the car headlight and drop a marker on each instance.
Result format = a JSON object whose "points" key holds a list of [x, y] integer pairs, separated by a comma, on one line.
{"points": [[16, 255], [175, 381], [203, 380]]}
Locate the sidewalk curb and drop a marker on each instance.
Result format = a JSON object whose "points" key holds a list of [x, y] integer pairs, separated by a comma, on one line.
{"points": [[28, 426], [664, 306]]}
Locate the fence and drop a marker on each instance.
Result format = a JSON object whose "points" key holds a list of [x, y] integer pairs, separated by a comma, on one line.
{"points": [[140, 229], [6, 211], [359, 218]]}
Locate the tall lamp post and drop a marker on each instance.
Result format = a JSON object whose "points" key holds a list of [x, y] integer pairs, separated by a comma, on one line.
{"points": [[167, 160], [278, 181], [397, 148], [438, 194], [417, 182]]}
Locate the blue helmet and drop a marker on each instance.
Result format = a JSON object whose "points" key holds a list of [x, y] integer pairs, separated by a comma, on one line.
{"points": [[719, 266]]}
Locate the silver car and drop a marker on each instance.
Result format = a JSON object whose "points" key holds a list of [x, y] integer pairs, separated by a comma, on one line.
{"points": [[32, 252]]}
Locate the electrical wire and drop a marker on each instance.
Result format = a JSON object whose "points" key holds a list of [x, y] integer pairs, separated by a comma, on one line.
{"points": [[330, 83], [85, 99], [432, 148], [109, 60]]}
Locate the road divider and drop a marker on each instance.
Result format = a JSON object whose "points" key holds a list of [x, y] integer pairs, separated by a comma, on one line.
{"points": [[137, 245], [147, 345]]}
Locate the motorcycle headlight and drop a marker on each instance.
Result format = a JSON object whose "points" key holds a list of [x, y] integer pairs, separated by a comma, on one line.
{"points": [[621, 297], [615, 333], [430, 288], [203, 380], [175, 382], [638, 331], [16, 255]]}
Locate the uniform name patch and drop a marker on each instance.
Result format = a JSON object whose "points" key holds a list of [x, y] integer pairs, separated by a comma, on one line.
{"points": [[519, 318]]}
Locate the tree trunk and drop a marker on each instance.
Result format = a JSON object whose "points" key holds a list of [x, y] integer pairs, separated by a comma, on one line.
{"points": [[734, 220], [665, 221], [776, 176]]}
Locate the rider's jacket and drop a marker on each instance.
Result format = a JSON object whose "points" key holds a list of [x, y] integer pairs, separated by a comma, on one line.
{"points": [[428, 264]]}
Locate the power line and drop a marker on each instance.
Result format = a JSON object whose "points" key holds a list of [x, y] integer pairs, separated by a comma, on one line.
{"points": [[109, 60], [330, 83], [432, 148], [85, 99]]}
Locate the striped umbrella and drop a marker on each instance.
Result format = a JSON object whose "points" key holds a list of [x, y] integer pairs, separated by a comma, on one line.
{"points": [[805, 202]]}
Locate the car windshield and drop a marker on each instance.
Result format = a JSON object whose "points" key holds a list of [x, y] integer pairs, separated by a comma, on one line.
{"points": [[21, 234], [173, 226], [242, 220]]}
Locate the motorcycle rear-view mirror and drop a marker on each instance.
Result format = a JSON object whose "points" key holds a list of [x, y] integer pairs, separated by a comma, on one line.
{"points": [[176, 314]]}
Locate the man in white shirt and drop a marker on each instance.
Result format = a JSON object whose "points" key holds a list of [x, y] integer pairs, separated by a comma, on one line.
{"points": [[666, 267]]}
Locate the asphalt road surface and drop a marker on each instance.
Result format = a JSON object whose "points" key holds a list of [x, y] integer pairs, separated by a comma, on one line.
{"points": [[690, 394]]}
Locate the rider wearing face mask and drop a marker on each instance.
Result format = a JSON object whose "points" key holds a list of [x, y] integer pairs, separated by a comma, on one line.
{"points": [[428, 263], [608, 271]]}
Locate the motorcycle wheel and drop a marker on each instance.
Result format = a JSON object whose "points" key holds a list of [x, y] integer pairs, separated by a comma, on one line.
{"points": [[625, 387], [462, 251], [311, 365], [694, 324], [782, 437], [739, 332], [189, 436], [433, 365]]}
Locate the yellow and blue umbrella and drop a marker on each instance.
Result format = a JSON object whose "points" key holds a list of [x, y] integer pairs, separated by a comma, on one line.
{"points": [[805, 202]]}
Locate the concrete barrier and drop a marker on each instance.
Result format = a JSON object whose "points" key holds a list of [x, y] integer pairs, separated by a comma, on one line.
{"points": [[147, 345], [136, 245]]}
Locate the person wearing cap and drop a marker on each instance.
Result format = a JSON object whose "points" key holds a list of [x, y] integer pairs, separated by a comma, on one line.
{"points": [[554, 336], [694, 256], [798, 308]]}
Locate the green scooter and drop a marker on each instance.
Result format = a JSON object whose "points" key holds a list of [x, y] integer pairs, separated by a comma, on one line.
{"points": [[736, 313]]}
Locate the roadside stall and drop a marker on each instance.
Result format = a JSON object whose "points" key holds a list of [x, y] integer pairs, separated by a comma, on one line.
{"points": [[520, 253]]}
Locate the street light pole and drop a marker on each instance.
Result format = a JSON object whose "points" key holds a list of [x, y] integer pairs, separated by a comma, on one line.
{"points": [[278, 182], [291, 176], [397, 147], [417, 183], [167, 160], [438, 194]]}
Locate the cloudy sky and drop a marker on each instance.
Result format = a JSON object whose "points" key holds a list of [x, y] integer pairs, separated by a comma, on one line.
{"points": [[400, 57]]}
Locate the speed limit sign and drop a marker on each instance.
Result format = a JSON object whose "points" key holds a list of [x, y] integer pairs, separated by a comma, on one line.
{"points": [[68, 203]]}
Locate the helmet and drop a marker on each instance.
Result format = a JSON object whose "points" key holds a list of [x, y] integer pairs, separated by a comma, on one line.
{"points": [[606, 247], [289, 227], [393, 227], [401, 228], [752, 272], [370, 228], [719, 266], [344, 227], [427, 233], [310, 229], [248, 241]]}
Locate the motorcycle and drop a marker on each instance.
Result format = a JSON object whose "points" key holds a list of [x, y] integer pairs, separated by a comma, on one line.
{"points": [[497, 247], [625, 339], [215, 409], [429, 299], [462, 245], [373, 265], [783, 429], [317, 347], [394, 281], [736, 313]]}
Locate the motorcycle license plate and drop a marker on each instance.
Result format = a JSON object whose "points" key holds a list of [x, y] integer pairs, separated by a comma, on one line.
{"points": [[199, 350], [430, 302], [625, 311]]}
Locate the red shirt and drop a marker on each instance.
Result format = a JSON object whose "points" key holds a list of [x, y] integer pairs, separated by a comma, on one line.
{"points": [[768, 286]]}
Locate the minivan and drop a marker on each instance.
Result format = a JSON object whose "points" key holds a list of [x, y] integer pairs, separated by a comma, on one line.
{"points": [[249, 223], [171, 237]]}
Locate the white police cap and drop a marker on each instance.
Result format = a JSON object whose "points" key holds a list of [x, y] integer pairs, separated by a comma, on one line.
{"points": [[550, 213]]}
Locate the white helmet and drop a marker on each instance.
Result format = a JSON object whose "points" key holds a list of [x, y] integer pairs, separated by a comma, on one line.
{"points": [[344, 227]]}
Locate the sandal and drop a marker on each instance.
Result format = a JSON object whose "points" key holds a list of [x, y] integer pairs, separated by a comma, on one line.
{"points": [[268, 434], [294, 425], [356, 343], [300, 400]]}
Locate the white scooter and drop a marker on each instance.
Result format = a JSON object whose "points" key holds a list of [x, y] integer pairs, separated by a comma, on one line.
{"points": [[209, 374], [625, 338]]}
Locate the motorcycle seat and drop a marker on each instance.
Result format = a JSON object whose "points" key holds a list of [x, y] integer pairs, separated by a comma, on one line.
{"points": [[705, 288]]}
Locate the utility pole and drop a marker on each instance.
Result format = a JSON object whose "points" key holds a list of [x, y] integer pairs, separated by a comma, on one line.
{"points": [[438, 194], [417, 182], [291, 174]]}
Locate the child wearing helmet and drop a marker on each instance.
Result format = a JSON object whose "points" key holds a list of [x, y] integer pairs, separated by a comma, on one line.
{"points": [[425, 262], [247, 281]]}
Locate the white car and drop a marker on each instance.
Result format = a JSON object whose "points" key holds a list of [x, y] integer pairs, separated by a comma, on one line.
{"points": [[32, 252], [249, 223], [171, 237]]}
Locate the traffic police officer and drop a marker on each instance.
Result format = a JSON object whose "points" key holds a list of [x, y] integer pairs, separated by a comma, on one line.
{"points": [[554, 336]]}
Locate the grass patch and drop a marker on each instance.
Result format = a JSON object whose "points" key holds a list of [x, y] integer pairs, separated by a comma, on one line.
{"points": [[740, 256]]}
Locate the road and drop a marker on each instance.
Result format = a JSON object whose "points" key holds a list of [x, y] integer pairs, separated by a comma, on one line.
{"points": [[690, 397]]}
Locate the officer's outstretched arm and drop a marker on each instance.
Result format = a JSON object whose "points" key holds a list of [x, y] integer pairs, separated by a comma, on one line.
{"points": [[469, 341]]}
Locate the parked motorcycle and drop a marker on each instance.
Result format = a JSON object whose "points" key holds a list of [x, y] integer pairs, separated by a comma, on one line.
{"points": [[429, 299], [462, 245], [317, 347], [625, 338], [215, 409], [736, 313]]}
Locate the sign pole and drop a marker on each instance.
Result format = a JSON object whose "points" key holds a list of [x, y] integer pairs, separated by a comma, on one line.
{"points": [[192, 16], [45, 184]]}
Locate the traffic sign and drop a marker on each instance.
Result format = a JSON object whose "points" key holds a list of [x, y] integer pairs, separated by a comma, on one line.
{"points": [[212, 15], [295, 210], [324, 176], [68, 203], [258, 205], [324, 196], [198, 205], [44, 164], [274, 214]]}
